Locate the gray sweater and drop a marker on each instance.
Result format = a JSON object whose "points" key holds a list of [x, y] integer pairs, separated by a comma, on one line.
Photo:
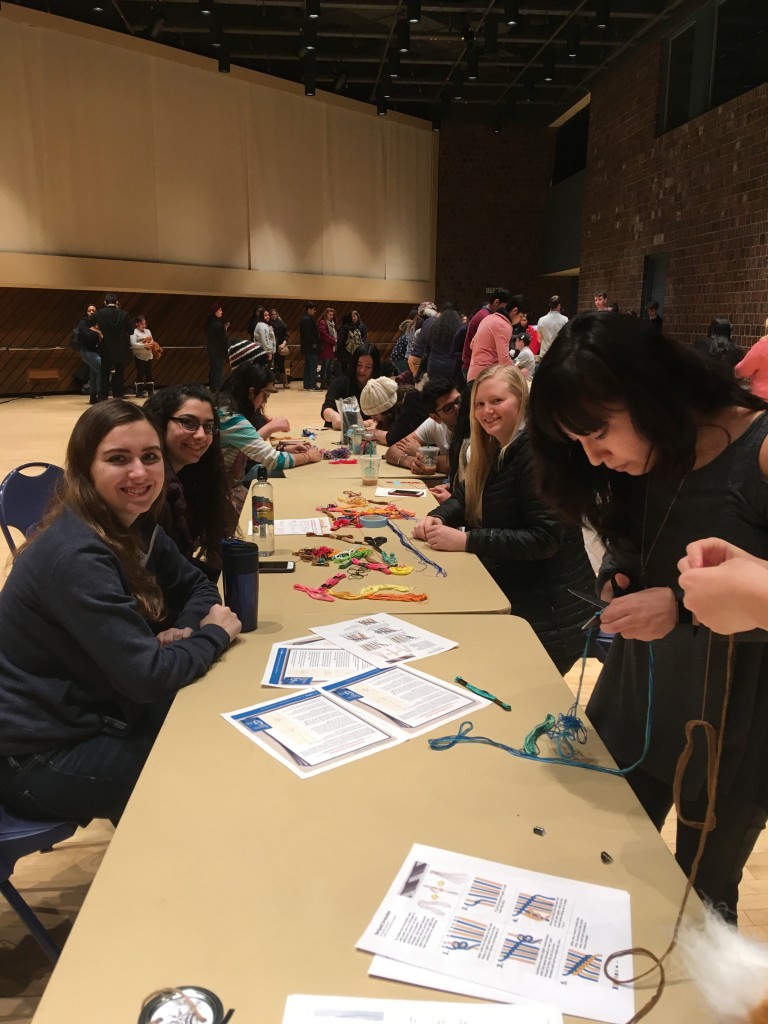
{"points": [[76, 656]]}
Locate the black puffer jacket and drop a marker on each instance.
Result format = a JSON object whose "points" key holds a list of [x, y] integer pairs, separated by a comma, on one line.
{"points": [[533, 557]]}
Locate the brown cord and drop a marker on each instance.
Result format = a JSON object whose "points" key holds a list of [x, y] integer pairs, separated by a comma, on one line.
{"points": [[714, 756]]}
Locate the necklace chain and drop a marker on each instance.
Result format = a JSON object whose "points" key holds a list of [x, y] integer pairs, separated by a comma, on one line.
{"points": [[645, 558]]}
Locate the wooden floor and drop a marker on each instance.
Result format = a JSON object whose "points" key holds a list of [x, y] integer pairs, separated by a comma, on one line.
{"points": [[56, 883]]}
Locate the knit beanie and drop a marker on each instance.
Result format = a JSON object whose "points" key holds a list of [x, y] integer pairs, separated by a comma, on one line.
{"points": [[378, 395], [246, 351]]}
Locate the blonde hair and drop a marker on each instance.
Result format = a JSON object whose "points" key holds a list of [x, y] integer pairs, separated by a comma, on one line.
{"points": [[484, 448]]}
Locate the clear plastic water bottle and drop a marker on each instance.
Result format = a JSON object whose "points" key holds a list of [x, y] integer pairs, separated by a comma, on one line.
{"points": [[263, 513]]}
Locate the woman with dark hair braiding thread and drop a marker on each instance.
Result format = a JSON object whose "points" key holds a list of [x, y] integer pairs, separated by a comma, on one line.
{"points": [[654, 454]]}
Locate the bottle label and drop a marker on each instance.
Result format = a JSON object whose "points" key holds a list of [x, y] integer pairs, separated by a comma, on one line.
{"points": [[263, 511]]}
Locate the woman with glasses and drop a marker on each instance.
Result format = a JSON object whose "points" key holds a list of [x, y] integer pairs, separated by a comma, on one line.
{"points": [[240, 403], [533, 557], [197, 513], [101, 622]]}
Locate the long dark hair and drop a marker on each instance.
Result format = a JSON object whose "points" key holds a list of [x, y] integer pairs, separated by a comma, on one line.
{"points": [[351, 367], [76, 492], [442, 334], [354, 359], [601, 362], [233, 394], [206, 490]]}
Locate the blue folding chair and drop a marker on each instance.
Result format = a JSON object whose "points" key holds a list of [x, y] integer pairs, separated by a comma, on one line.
{"points": [[23, 498], [18, 838]]}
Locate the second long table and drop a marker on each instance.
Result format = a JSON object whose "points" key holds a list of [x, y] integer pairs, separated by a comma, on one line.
{"points": [[468, 587]]}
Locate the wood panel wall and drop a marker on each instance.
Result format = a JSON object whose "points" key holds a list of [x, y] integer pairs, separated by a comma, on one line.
{"points": [[35, 327]]}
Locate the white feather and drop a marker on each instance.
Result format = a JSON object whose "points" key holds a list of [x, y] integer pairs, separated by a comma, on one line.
{"points": [[730, 970]]}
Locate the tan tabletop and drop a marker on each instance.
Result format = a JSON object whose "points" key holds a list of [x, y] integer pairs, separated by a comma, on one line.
{"points": [[327, 470], [467, 588], [229, 872]]}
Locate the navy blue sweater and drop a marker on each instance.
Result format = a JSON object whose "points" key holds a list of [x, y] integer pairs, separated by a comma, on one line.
{"points": [[75, 652]]}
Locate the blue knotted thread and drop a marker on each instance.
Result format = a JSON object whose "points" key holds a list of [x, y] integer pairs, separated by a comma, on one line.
{"points": [[565, 731]]}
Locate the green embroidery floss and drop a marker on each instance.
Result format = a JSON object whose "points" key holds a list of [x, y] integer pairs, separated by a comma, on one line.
{"points": [[530, 745]]}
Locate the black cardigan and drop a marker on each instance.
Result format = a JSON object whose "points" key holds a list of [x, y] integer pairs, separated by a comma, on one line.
{"points": [[533, 557]]}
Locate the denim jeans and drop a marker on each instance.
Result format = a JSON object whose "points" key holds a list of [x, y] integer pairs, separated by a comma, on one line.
{"points": [[310, 369], [326, 368], [93, 361], [92, 779]]}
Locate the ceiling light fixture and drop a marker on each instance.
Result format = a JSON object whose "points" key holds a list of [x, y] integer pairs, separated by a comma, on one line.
{"points": [[473, 65], [498, 121], [437, 120], [602, 13], [309, 34], [205, 6], [381, 107], [413, 11], [548, 64], [572, 45], [224, 62], [393, 66], [313, 8], [512, 12], [404, 36]]}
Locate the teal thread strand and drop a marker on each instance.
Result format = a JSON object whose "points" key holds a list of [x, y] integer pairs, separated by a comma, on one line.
{"points": [[565, 731]]}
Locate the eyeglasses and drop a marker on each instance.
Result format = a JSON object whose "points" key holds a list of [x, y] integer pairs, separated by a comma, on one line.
{"points": [[190, 424], [445, 409]]}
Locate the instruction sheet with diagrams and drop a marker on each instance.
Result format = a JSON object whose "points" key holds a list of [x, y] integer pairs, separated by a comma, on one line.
{"points": [[324, 727], [384, 639], [534, 935], [310, 661]]}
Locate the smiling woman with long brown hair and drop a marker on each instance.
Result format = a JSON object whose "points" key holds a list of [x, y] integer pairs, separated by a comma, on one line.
{"points": [[101, 622]]}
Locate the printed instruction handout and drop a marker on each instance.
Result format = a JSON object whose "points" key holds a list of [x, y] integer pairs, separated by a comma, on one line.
{"points": [[318, 729], [526, 933], [298, 527], [354, 1010], [384, 639], [310, 661]]}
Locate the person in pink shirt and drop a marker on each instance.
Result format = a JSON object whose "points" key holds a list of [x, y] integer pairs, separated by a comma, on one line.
{"points": [[490, 346], [754, 366], [498, 298]]}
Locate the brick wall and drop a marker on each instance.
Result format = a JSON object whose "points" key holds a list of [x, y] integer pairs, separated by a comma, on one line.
{"points": [[699, 193], [490, 214]]}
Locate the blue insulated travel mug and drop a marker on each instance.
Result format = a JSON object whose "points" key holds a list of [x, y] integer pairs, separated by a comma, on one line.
{"points": [[240, 572]]}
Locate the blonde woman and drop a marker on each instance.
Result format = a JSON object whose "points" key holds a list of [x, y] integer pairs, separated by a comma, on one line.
{"points": [[497, 515]]}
